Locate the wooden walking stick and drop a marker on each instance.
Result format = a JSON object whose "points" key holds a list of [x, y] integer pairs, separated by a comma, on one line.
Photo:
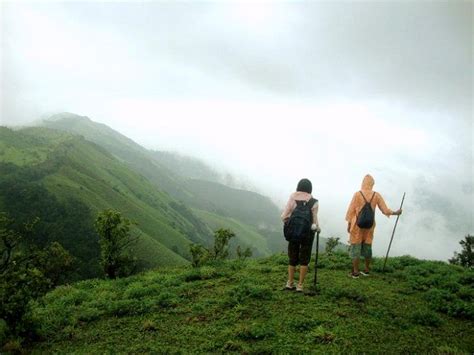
{"points": [[393, 233]]}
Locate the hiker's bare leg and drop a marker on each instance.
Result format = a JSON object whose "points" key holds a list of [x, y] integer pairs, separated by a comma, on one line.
{"points": [[355, 265], [291, 273], [367, 264], [303, 271]]}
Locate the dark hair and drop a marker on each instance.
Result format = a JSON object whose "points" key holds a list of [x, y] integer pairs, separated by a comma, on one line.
{"points": [[305, 186]]}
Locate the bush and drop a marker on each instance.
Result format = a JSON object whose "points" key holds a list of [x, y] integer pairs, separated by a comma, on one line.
{"points": [[426, 318], [246, 291], [449, 303], [351, 294], [255, 331], [467, 278], [243, 254], [439, 299], [331, 244], [199, 255], [167, 300], [461, 309], [322, 336], [466, 257], [149, 326], [448, 350], [138, 290]]}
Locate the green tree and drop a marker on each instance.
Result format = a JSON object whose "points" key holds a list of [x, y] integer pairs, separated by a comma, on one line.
{"points": [[26, 273], [115, 241], [56, 263], [199, 255], [221, 243], [331, 244], [466, 256]]}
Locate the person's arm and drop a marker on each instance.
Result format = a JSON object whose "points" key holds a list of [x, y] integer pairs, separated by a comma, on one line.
{"points": [[315, 225], [351, 211], [288, 209], [385, 210]]}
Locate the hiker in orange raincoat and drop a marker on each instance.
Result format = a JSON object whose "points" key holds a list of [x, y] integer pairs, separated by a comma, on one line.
{"points": [[361, 239]]}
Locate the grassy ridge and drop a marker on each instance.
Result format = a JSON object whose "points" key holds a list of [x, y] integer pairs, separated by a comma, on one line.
{"points": [[177, 175], [416, 307], [76, 168]]}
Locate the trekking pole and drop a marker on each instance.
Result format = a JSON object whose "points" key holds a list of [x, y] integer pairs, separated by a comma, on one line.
{"points": [[313, 290], [393, 233], [316, 261]]}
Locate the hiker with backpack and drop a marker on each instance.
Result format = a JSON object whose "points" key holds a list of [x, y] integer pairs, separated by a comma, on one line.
{"points": [[300, 219], [360, 219]]}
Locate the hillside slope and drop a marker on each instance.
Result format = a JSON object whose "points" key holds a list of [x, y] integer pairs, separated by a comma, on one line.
{"points": [[177, 174], [72, 167], [416, 307]]}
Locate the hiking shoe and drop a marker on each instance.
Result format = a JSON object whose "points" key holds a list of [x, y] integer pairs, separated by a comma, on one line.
{"points": [[299, 288], [354, 275], [290, 286], [365, 273]]}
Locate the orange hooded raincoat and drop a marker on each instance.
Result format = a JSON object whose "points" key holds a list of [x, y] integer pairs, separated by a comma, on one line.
{"points": [[358, 235]]}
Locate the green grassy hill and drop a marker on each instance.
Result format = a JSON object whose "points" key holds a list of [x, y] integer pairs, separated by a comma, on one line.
{"points": [[72, 167], [176, 174], [238, 306]]}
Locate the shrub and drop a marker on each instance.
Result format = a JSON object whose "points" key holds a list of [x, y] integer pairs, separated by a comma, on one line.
{"points": [[449, 303], [88, 314], [138, 290], [351, 294], [255, 331], [461, 309], [245, 291], [121, 308], [322, 336], [439, 299], [167, 300], [448, 350], [193, 275], [466, 294], [199, 255], [331, 244], [467, 278], [149, 326], [426, 318], [466, 257], [243, 254]]}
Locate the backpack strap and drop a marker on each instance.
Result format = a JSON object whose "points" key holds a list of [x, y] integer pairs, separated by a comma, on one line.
{"points": [[363, 196], [311, 202], [366, 199], [372, 197]]}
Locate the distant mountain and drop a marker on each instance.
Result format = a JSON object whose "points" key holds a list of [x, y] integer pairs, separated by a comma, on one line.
{"points": [[185, 166], [185, 179]]}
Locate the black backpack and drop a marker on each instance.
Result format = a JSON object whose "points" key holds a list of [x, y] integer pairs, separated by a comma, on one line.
{"points": [[366, 217], [299, 224]]}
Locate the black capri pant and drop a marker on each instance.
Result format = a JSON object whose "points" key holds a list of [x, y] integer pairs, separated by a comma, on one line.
{"points": [[300, 252]]}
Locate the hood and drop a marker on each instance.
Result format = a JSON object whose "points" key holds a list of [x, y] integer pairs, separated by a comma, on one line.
{"points": [[368, 182]]}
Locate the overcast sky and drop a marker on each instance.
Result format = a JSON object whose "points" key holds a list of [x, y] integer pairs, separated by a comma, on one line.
{"points": [[272, 92]]}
